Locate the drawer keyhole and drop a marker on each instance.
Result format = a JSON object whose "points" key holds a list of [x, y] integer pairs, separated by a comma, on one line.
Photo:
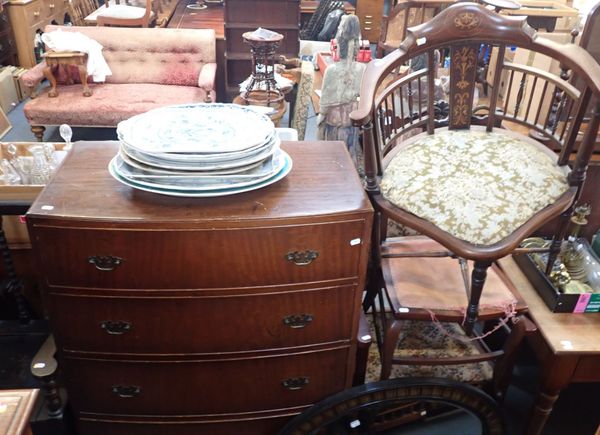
{"points": [[302, 258], [126, 391], [295, 383], [118, 327], [296, 321], [105, 263]]}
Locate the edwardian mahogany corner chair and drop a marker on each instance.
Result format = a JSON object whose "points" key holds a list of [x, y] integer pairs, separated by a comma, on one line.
{"points": [[475, 189]]}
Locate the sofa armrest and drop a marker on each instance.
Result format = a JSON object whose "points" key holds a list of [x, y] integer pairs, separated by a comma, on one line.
{"points": [[32, 78], [206, 79]]}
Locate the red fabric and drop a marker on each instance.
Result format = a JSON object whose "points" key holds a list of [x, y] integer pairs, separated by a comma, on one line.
{"points": [[108, 105]]}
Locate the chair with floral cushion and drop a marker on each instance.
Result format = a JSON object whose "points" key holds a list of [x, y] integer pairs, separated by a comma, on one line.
{"points": [[473, 189]]}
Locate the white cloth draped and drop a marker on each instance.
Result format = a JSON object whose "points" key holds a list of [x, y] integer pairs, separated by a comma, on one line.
{"points": [[74, 41]]}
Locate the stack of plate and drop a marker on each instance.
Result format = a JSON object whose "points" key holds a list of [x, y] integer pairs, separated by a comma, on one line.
{"points": [[199, 150]]}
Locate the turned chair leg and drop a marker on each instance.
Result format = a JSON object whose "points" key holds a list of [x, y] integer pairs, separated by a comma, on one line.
{"points": [[390, 342], [375, 277], [477, 281], [38, 131]]}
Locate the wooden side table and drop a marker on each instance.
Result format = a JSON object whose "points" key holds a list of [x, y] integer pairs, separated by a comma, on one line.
{"points": [[566, 346], [66, 58], [15, 409]]}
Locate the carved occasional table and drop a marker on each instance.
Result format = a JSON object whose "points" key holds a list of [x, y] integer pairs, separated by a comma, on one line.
{"points": [[197, 316], [65, 59], [567, 346]]}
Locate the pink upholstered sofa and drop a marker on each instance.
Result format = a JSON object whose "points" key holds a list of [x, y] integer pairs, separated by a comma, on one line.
{"points": [[151, 67]]}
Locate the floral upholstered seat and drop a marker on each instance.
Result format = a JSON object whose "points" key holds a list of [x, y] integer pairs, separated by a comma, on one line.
{"points": [[475, 185]]}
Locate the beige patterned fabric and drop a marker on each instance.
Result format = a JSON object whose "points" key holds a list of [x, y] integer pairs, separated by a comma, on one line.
{"points": [[477, 186], [305, 89]]}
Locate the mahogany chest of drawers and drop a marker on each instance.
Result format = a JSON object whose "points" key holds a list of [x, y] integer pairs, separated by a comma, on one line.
{"points": [[212, 316]]}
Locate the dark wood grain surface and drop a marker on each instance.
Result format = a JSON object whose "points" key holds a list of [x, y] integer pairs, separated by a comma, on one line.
{"points": [[209, 18], [322, 183]]}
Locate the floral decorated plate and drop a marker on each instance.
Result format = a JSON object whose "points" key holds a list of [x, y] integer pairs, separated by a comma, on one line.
{"points": [[286, 168], [188, 158], [177, 165], [200, 181], [196, 129], [158, 171]]}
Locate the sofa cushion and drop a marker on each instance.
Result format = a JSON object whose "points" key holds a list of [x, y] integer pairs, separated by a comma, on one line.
{"points": [[142, 55], [108, 105]]}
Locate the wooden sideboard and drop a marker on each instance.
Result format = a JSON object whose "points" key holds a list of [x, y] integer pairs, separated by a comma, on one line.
{"points": [[202, 315], [29, 17]]}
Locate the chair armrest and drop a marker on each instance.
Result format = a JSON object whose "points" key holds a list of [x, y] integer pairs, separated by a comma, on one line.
{"points": [[206, 79], [32, 78]]}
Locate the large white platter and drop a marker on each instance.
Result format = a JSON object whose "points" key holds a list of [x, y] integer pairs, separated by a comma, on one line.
{"points": [[195, 165], [287, 167], [200, 182], [196, 128], [162, 171]]}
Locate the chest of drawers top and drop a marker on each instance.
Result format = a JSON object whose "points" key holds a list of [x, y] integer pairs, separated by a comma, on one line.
{"points": [[322, 184]]}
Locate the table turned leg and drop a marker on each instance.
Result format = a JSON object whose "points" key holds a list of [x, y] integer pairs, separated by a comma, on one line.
{"points": [[50, 76], [83, 76], [556, 375]]}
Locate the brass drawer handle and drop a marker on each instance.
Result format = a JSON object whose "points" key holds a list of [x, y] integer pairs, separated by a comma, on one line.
{"points": [[117, 327], [36, 14], [296, 321], [295, 383], [106, 263], [51, 5], [302, 258], [126, 391]]}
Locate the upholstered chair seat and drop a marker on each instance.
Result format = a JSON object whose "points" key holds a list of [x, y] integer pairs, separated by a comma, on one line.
{"points": [[477, 186]]}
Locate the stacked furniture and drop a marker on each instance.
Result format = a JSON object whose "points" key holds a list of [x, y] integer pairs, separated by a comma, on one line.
{"points": [[28, 19], [202, 315], [281, 16]]}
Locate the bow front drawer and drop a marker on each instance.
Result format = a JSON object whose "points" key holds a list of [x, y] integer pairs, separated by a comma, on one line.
{"points": [[205, 387], [216, 258], [267, 320]]}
